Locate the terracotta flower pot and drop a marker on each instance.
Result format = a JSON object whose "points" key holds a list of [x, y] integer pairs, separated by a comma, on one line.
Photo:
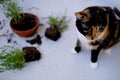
{"points": [[22, 29]]}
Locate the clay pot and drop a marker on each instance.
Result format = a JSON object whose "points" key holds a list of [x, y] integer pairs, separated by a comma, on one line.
{"points": [[25, 32]]}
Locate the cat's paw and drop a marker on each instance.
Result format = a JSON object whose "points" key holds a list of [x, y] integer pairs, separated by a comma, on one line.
{"points": [[94, 65], [74, 51], [108, 51], [77, 49]]}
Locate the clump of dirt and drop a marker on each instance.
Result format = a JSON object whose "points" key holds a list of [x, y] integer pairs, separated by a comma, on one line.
{"points": [[32, 54], [36, 40], [52, 33]]}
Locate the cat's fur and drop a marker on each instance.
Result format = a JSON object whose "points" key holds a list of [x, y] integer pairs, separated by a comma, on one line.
{"points": [[97, 28]]}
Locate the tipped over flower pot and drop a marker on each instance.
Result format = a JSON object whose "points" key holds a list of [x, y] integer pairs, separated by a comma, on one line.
{"points": [[12, 58]]}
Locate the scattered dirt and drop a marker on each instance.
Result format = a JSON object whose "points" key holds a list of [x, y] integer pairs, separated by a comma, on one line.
{"points": [[2, 24], [32, 54]]}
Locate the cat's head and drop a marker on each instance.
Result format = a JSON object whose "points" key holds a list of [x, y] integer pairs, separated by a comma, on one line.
{"points": [[92, 21]]}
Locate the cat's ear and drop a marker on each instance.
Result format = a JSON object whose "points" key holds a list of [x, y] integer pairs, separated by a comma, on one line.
{"points": [[82, 16], [117, 12], [77, 15]]}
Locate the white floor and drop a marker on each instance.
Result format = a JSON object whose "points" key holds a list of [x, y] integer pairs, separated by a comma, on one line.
{"points": [[57, 62]]}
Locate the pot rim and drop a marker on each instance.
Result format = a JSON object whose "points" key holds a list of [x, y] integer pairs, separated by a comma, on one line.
{"points": [[36, 26]]}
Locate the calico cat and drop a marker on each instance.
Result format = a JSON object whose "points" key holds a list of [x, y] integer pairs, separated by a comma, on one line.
{"points": [[98, 28]]}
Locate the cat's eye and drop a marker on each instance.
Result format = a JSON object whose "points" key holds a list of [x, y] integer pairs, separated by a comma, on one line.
{"points": [[82, 16]]}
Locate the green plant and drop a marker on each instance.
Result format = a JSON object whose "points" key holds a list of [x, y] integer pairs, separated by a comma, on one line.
{"points": [[61, 23], [53, 21], [11, 58], [11, 9]]}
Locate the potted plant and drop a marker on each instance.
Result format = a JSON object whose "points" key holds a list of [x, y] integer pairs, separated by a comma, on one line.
{"points": [[23, 24], [57, 25], [12, 58]]}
